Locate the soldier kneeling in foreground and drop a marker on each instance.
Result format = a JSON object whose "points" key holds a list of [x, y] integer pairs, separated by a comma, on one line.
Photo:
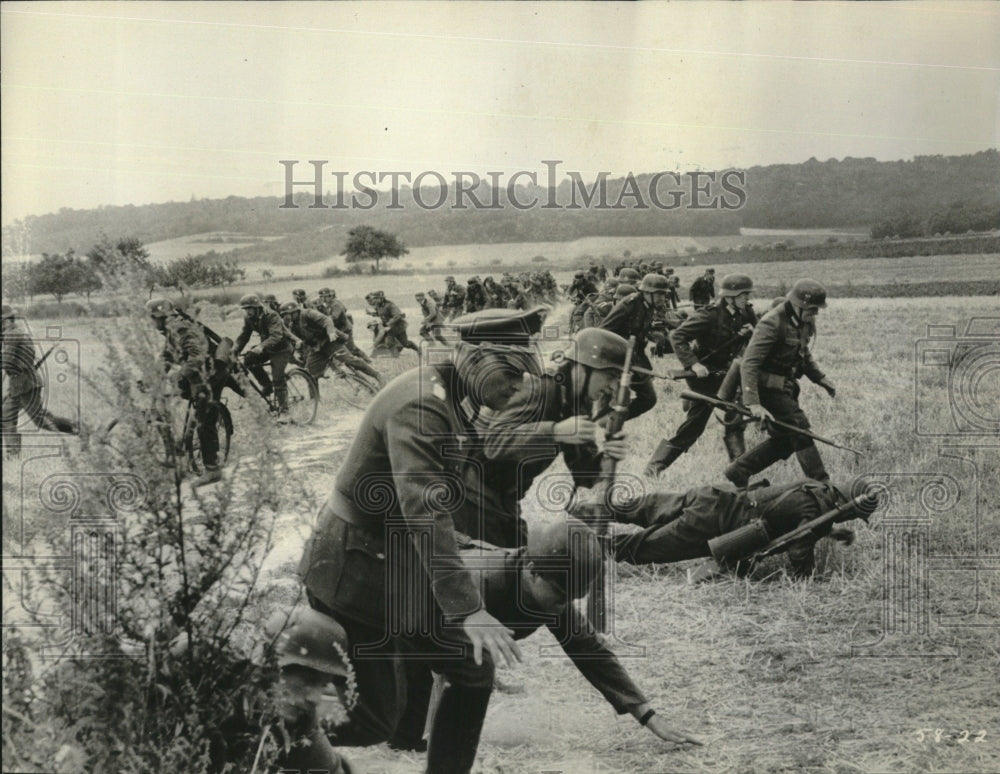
{"points": [[734, 527]]}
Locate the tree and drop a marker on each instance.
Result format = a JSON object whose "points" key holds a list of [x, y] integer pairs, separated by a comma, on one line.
{"points": [[365, 243], [54, 274]]}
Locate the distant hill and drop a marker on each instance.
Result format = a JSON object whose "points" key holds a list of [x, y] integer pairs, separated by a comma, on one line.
{"points": [[848, 193]]}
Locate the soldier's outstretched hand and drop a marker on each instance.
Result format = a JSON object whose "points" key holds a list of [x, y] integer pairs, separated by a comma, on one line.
{"points": [[659, 727], [486, 631], [827, 385]]}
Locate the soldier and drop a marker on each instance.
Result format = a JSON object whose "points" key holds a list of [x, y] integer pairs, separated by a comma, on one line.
{"points": [[392, 330], [602, 303], [321, 341], [475, 295], [559, 413], [384, 561], [703, 289], [580, 291], [494, 294], [515, 295], [271, 301], [718, 332], [673, 298], [430, 326], [629, 276], [275, 347], [299, 296], [24, 386], [454, 298], [187, 361], [776, 357], [323, 304], [633, 316], [684, 525]]}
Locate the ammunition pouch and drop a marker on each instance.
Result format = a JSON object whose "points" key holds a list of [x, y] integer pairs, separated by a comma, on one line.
{"points": [[728, 549]]}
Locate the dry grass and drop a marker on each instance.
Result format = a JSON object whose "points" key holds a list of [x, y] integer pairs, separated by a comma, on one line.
{"points": [[763, 668]]}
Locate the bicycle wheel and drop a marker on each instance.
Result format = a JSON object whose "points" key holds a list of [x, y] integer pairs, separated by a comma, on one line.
{"points": [[351, 387], [192, 443], [303, 396]]}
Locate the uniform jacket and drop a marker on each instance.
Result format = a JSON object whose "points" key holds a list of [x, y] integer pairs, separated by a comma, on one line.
{"points": [[186, 347], [778, 351], [341, 320], [19, 360], [315, 329], [711, 328], [454, 297], [274, 336], [391, 316], [500, 584], [475, 297], [702, 290], [385, 544], [632, 316], [432, 316]]}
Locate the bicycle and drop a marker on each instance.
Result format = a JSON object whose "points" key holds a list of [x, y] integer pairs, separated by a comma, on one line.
{"points": [[303, 393], [350, 385], [180, 445]]}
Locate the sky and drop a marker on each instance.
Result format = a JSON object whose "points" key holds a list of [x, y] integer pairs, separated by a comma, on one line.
{"points": [[132, 103]]}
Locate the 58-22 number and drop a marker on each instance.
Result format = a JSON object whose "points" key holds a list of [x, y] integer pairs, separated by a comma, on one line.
{"points": [[938, 735]]}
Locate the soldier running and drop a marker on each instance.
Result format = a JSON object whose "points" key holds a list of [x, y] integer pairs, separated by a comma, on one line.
{"points": [[703, 289], [776, 357], [430, 326], [392, 328], [718, 332], [454, 298], [321, 341]]}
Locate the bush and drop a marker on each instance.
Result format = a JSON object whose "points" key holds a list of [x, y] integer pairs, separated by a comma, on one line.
{"points": [[539, 259]]}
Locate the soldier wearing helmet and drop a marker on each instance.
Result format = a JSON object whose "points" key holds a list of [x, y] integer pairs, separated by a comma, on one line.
{"points": [[271, 301], [580, 292], [275, 347], [475, 296], [454, 298], [706, 344], [25, 386], [729, 526], [600, 305], [391, 332], [558, 413], [776, 357], [703, 289], [187, 360], [633, 316], [430, 325], [629, 276], [379, 527], [321, 341]]}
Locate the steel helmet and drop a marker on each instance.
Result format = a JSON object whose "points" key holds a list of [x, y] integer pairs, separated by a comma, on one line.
{"points": [[419, 295], [449, 278], [298, 292], [567, 554], [734, 284], [156, 307], [807, 293], [250, 300], [269, 297], [288, 307], [325, 291], [624, 289], [628, 275], [311, 639], [597, 348], [654, 283]]}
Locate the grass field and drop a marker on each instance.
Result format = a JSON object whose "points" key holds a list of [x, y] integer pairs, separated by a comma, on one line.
{"points": [[862, 669]]}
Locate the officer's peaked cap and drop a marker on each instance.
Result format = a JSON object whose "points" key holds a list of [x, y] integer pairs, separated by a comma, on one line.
{"points": [[511, 327]]}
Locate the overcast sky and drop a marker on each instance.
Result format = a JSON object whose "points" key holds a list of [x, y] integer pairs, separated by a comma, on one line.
{"points": [[143, 102]]}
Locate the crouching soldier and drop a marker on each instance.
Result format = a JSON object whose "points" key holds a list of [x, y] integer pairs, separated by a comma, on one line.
{"points": [[730, 525], [321, 341]]}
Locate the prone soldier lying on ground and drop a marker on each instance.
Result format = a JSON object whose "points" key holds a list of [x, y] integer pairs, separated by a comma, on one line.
{"points": [[733, 525]]}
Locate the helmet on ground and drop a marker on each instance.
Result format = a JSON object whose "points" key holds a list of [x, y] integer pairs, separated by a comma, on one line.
{"points": [[157, 307], [250, 300], [734, 284], [567, 554], [289, 307], [654, 283], [598, 348], [807, 293]]}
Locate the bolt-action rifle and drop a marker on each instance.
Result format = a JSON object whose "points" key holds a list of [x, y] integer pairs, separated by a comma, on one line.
{"points": [[686, 373], [739, 408], [597, 603]]}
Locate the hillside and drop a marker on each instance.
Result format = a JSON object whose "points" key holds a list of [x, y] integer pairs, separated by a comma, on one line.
{"points": [[849, 193]]}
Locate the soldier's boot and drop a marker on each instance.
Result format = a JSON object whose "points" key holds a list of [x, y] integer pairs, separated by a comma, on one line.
{"points": [[281, 398], [812, 464], [211, 474], [754, 461], [454, 736], [735, 446], [663, 457]]}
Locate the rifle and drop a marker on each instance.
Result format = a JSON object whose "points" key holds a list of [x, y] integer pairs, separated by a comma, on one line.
{"points": [[744, 411], [688, 374], [597, 604]]}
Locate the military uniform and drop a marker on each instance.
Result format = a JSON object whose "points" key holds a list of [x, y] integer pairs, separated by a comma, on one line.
{"points": [[678, 526], [714, 329], [702, 291], [394, 326], [633, 316], [454, 300], [430, 326], [24, 387], [275, 347], [475, 297], [775, 358], [323, 343]]}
